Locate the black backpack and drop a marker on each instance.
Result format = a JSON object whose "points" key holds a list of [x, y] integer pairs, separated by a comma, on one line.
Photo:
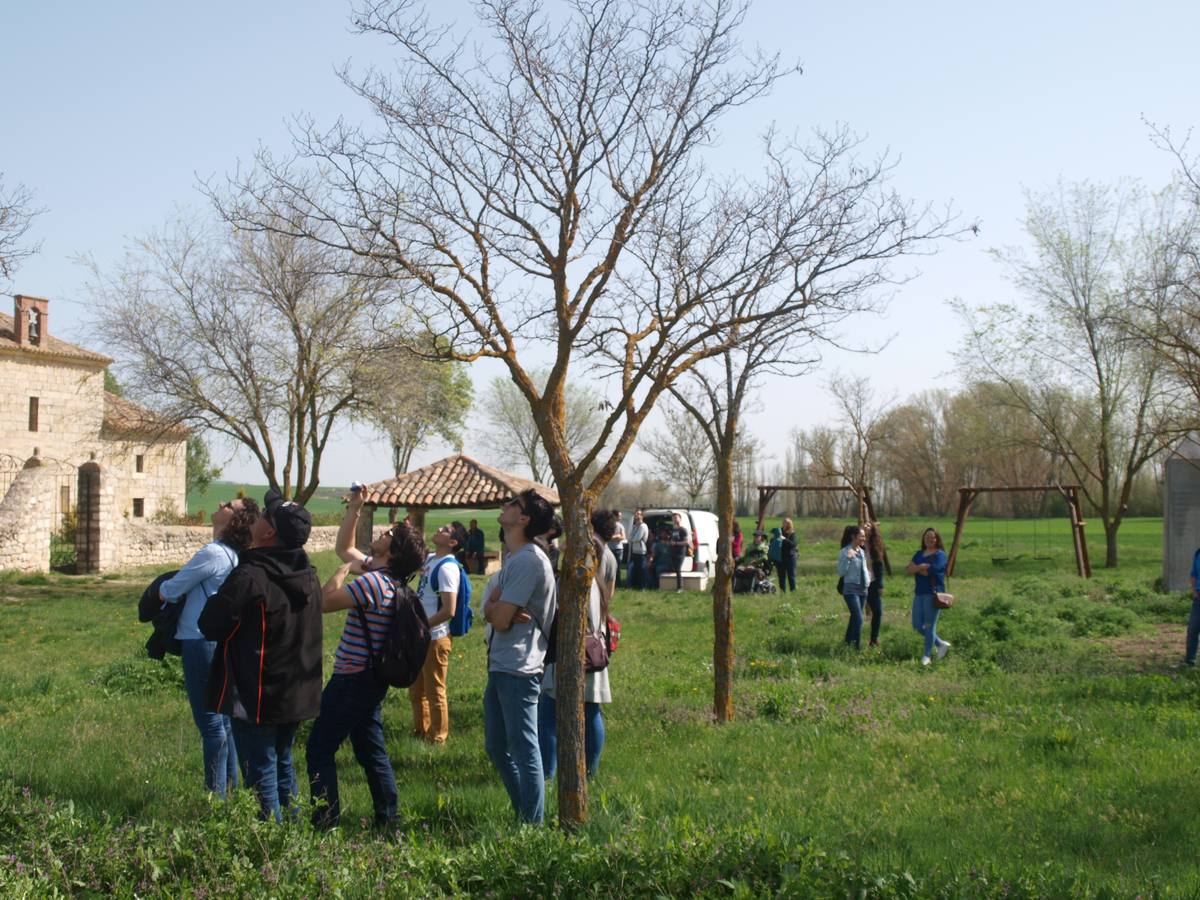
{"points": [[164, 616], [398, 660]]}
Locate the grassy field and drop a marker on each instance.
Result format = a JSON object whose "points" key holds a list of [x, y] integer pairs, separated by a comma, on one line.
{"points": [[1052, 753]]}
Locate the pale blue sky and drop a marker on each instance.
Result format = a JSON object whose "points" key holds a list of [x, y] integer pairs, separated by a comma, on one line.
{"points": [[110, 111]]}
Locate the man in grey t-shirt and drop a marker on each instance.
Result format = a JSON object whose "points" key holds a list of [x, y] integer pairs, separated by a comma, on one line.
{"points": [[520, 610]]}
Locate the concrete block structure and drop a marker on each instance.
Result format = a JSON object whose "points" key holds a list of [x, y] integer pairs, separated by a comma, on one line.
{"points": [[122, 461], [1181, 514]]}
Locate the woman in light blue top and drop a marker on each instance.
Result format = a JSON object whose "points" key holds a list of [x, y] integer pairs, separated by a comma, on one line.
{"points": [[198, 580], [928, 568], [855, 571]]}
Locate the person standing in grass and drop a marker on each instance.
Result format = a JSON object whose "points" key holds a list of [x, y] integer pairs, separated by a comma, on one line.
{"points": [[681, 543], [787, 556], [736, 540], [520, 610], [352, 702], [440, 577], [639, 537], [476, 548], [928, 568], [1193, 626], [854, 569], [266, 674], [875, 591], [199, 579]]}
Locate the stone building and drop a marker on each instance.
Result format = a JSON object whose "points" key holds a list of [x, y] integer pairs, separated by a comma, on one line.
{"points": [[124, 464]]}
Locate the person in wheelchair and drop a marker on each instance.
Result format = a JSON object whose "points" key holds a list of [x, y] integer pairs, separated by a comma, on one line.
{"points": [[753, 568]]}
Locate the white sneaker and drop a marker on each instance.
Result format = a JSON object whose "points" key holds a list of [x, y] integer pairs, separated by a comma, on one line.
{"points": [[925, 660], [943, 649]]}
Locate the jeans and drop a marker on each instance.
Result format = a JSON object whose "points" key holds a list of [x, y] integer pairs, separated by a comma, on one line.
{"points": [[431, 712], [1193, 631], [637, 571], [510, 737], [787, 573], [216, 732], [854, 627], [924, 621], [593, 735], [266, 753], [875, 601], [677, 568], [351, 706]]}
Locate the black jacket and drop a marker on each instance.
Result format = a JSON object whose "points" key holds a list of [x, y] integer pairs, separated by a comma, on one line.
{"points": [[267, 616]]}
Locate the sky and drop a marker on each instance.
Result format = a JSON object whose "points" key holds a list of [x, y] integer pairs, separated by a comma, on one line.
{"points": [[112, 113]]}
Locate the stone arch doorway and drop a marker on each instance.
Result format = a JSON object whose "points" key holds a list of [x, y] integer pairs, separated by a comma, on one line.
{"points": [[87, 519]]}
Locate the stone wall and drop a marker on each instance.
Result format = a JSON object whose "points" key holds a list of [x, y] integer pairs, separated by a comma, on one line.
{"points": [[70, 407], [171, 545], [27, 520]]}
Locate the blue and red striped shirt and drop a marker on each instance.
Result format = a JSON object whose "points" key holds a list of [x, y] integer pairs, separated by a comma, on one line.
{"points": [[375, 594]]}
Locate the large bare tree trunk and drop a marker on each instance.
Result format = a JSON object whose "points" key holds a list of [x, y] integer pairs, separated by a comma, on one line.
{"points": [[722, 594], [575, 585]]}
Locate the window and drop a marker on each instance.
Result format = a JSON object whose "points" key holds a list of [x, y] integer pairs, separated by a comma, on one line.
{"points": [[139, 463], [33, 413], [139, 507]]}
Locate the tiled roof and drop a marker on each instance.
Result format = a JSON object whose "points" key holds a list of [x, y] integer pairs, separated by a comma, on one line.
{"points": [[55, 347], [455, 482], [126, 418]]}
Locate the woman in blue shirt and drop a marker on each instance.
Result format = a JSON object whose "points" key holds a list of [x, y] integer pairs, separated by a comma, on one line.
{"points": [[854, 568], [198, 580], [928, 568]]}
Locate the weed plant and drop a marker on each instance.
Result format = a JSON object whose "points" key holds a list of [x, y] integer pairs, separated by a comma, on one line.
{"points": [[1048, 755]]}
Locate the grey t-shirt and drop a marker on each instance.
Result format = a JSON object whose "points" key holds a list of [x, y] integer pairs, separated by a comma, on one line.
{"points": [[527, 581], [608, 566]]}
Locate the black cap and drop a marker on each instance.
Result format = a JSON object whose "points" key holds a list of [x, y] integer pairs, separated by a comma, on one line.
{"points": [[291, 521]]}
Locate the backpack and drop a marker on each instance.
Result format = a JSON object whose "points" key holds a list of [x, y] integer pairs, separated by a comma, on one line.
{"points": [[399, 659], [460, 622], [164, 616], [775, 550]]}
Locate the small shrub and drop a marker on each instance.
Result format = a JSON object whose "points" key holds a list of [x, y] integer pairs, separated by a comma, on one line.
{"points": [[139, 675]]}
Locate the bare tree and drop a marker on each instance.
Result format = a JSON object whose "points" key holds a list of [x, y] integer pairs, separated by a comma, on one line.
{"points": [[865, 427], [512, 434], [17, 213], [536, 193], [414, 400], [1101, 402], [681, 453], [255, 336]]}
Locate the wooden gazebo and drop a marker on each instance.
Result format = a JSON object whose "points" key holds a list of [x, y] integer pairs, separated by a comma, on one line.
{"points": [[456, 482]]}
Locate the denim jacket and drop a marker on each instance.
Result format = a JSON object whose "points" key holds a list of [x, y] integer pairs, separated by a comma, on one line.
{"points": [[855, 573]]}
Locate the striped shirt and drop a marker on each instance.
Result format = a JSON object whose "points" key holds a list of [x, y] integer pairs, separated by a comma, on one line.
{"points": [[375, 594]]}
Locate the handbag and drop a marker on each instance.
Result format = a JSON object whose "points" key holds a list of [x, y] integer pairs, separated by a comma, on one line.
{"points": [[595, 652], [942, 600]]}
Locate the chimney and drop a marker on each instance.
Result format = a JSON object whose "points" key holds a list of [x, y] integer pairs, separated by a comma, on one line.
{"points": [[31, 320]]}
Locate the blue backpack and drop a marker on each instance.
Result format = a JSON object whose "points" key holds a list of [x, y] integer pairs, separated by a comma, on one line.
{"points": [[460, 622]]}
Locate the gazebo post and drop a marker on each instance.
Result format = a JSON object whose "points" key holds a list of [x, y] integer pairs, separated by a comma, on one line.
{"points": [[364, 533], [416, 518]]}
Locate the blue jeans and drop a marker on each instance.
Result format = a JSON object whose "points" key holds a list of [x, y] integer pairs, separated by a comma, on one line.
{"points": [[351, 706], [266, 752], [924, 621], [510, 736], [875, 601], [637, 571], [1193, 631], [787, 573], [854, 627], [216, 732], [593, 735]]}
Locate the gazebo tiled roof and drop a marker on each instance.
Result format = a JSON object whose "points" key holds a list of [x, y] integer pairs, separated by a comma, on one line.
{"points": [[456, 482]]}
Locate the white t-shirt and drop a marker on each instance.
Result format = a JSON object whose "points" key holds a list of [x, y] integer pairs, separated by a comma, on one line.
{"points": [[448, 576]]}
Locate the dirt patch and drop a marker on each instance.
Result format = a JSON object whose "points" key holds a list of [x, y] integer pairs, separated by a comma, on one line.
{"points": [[1159, 650]]}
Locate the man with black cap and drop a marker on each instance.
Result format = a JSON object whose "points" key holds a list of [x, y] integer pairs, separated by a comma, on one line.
{"points": [[266, 672]]}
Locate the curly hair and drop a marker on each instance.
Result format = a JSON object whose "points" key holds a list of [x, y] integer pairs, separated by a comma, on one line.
{"points": [[604, 523], [406, 552], [237, 530], [937, 537]]}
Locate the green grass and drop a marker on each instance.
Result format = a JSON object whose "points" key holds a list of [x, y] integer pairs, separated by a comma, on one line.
{"points": [[1051, 754]]}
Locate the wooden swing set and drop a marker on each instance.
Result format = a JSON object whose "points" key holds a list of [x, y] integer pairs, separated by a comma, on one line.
{"points": [[866, 509], [968, 495]]}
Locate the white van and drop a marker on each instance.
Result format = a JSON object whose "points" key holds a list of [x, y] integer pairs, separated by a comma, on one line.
{"points": [[703, 526]]}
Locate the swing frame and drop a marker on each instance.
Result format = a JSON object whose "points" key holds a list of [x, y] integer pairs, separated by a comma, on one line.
{"points": [[866, 509], [968, 495]]}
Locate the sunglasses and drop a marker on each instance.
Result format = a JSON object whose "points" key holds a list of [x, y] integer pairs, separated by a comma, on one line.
{"points": [[517, 503]]}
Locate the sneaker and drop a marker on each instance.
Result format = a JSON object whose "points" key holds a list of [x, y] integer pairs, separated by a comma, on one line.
{"points": [[925, 660], [943, 649]]}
